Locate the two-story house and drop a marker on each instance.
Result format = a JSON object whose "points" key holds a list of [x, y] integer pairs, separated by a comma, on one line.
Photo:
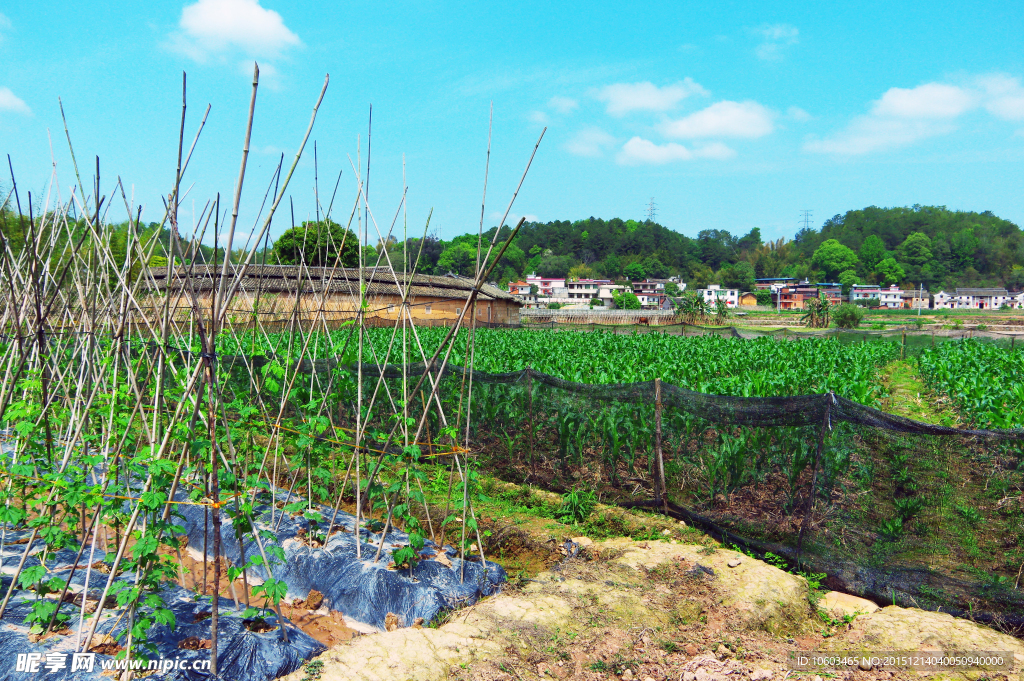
{"points": [[713, 292], [585, 289], [891, 297], [865, 292], [519, 288], [546, 285]]}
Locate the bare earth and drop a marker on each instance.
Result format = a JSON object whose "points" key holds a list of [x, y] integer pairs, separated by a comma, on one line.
{"points": [[654, 610]]}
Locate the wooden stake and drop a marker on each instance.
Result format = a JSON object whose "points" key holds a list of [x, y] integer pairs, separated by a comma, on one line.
{"points": [[662, 487]]}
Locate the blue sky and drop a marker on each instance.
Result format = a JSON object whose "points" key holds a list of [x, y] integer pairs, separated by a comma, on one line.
{"points": [[731, 116]]}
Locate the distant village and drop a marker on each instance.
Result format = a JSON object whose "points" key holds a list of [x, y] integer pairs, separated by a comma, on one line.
{"points": [[779, 293]]}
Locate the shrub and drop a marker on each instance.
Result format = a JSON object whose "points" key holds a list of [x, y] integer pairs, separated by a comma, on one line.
{"points": [[848, 316], [868, 302], [554, 306], [576, 506], [891, 529]]}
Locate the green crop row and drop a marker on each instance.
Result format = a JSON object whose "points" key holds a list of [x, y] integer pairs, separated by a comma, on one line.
{"points": [[983, 380]]}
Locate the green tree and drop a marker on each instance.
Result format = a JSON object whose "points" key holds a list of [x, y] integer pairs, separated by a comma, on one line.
{"points": [[626, 300], [833, 257], [872, 252], [963, 246], [317, 244], [653, 267], [739, 276], [847, 316], [459, 259], [848, 279], [764, 297], [916, 249], [581, 271], [890, 271], [613, 266], [635, 272], [554, 265]]}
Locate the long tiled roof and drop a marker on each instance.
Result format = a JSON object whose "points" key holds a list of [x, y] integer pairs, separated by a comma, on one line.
{"points": [[981, 292], [340, 280]]}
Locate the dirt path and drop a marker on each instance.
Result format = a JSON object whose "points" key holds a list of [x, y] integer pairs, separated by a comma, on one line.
{"points": [[909, 396], [647, 610]]}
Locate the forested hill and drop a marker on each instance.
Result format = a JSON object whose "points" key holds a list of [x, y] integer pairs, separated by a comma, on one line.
{"points": [[928, 245]]}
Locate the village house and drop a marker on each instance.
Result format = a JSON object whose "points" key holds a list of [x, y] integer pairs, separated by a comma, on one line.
{"points": [[891, 297], [331, 294], [771, 283], [748, 300], [519, 288], [713, 292], [548, 286], [833, 292], [649, 286], [585, 289], [605, 293], [973, 299], [917, 298], [865, 292], [786, 298]]}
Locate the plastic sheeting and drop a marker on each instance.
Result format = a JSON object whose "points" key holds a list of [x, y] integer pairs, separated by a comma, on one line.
{"points": [[242, 655], [362, 589]]}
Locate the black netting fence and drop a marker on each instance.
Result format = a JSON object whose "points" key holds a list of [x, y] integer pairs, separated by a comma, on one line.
{"points": [[898, 510]]}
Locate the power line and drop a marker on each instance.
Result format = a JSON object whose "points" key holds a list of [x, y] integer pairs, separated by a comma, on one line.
{"points": [[652, 210]]}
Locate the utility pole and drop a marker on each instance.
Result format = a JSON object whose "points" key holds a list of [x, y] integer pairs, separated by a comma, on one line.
{"points": [[652, 210]]}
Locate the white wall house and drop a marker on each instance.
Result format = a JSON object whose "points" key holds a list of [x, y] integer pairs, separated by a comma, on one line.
{"points": [[605, 293], [585, 289], [713, 292], [519, 288], [943, 301], [864, 292], [545, 285], [891, 297], [974, 299], [1016, 300]]}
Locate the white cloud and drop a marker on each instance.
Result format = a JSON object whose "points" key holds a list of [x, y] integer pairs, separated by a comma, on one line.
{"points": [[723, 119], [776, 38], [563, 105], [11, 102], [778, 32], [798, 114], [1003, 96], [622, 98], [591, 142], [211, 27], [870, 133], [539, 117], [931, 100], [638, 151]]}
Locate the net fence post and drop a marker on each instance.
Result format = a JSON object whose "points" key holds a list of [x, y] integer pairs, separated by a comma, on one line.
{"points": [[662, 487], [829, 399], [903, 347], [529, 409]]}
